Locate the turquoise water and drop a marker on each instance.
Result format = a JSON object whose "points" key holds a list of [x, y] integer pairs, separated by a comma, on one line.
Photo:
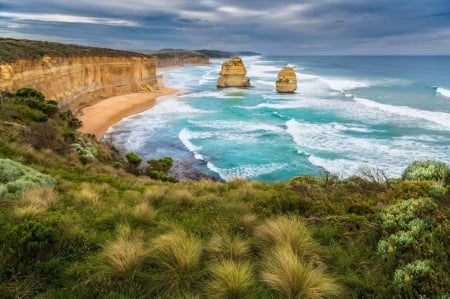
{"points": [[348, 112]]}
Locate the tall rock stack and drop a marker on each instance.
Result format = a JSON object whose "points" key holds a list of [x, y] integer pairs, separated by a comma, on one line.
{"points": [[287, 80], [233, 74]]}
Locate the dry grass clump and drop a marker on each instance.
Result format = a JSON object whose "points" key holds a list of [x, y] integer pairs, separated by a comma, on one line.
{"points": [[288, 231], [43, 197], [292, 277], [228, 247], [247, 223], [34, 202], [144, 211], [125, 254], [183, 197], [176, 257], [230, 279], [87, 194], [154, 195]]}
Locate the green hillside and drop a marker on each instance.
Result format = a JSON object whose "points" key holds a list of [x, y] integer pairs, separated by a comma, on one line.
{"points": [[78, 220]]}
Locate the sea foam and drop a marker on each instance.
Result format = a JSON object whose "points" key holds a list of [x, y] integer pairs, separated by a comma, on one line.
{"points": [[440, 118], [444, 92]]}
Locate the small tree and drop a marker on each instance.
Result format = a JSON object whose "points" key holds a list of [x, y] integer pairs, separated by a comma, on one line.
{"points": [[159, 169], [133, 161]]}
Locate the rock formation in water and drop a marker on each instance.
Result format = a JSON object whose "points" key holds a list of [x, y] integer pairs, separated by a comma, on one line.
{"points": [[287, 80], [233, 74]]}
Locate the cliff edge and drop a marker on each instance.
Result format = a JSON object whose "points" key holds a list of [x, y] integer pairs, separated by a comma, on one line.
{"points": [[233, 74], [74, 76]]}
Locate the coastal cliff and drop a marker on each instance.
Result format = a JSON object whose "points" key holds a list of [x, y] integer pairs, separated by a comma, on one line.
{"points": [[287, 80], [166, 60], [233, 74], [75, 82]]}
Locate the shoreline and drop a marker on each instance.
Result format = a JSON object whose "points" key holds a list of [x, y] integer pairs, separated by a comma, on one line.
{"points": [[98, 118]]}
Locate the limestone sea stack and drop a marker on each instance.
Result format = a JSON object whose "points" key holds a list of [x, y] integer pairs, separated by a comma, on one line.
{"points": [[287, 80], [233, 74]]}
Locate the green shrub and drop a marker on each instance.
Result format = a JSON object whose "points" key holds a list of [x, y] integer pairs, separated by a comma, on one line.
{"points": [[45, 135], [133, 162], [158, 169], [427, 171], [28, 92], [16, 178], [85, 150]]}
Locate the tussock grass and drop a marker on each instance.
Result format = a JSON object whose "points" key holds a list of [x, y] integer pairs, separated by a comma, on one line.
{"points": [[28, 211], [86, 194], [225, 246], [144, 211], [231, 279], [289, 231], [35, 202], [290, 276], [125, 254], [155, 195], [176, 257], [44, 198], [247, 223], [182, 196]]}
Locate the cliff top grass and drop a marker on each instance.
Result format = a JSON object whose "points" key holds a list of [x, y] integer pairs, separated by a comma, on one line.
{"points": [[14, 49]]}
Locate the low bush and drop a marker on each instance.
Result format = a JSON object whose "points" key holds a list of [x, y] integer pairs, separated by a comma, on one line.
{"points": [[16, 179], [427, 171]]}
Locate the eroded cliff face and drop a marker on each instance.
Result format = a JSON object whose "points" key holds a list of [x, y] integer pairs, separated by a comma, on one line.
{"points": [[181, 61], [76, 82], [287, 80], [233, 74]]}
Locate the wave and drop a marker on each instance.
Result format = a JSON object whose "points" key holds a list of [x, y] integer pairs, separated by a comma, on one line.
{"points": [[440, 118], [240, 126], [331, 147], [443, 92], [185, 136], [245, 171]]}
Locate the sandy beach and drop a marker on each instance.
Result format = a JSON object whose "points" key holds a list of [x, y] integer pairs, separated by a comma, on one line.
{"points": [[102, 115]]}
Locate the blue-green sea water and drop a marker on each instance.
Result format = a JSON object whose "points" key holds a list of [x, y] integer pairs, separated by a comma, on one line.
{"points": [[348, 112]]}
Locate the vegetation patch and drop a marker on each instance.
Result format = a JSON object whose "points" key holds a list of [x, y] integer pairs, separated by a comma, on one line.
{"points": [[16, 178]]}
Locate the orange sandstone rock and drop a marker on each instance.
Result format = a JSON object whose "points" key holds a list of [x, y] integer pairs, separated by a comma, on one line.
{"points": [[233, 74], [287, 80]]}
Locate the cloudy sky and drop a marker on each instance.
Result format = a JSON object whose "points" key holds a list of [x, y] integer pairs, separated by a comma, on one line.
{"points": [[268, 26]]}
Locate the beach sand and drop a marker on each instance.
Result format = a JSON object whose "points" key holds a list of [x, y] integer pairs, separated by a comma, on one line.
{"points": [[102, 115]]}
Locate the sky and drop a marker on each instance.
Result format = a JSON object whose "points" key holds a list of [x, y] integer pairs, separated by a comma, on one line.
{"points": [[304, 27]]}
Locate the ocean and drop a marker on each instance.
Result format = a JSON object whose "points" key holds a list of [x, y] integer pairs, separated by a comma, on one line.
{"points": [[381, 112]]}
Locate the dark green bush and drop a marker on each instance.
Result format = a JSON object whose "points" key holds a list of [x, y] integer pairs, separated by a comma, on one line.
{"points": [[28, 92]]}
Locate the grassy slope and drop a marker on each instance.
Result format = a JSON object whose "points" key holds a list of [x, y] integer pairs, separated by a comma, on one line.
{"points": [[104, 233]]}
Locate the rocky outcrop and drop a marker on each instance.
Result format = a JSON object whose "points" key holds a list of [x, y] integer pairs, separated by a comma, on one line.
{"points": [[233, 74], [75, 82], [287, 80]]}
